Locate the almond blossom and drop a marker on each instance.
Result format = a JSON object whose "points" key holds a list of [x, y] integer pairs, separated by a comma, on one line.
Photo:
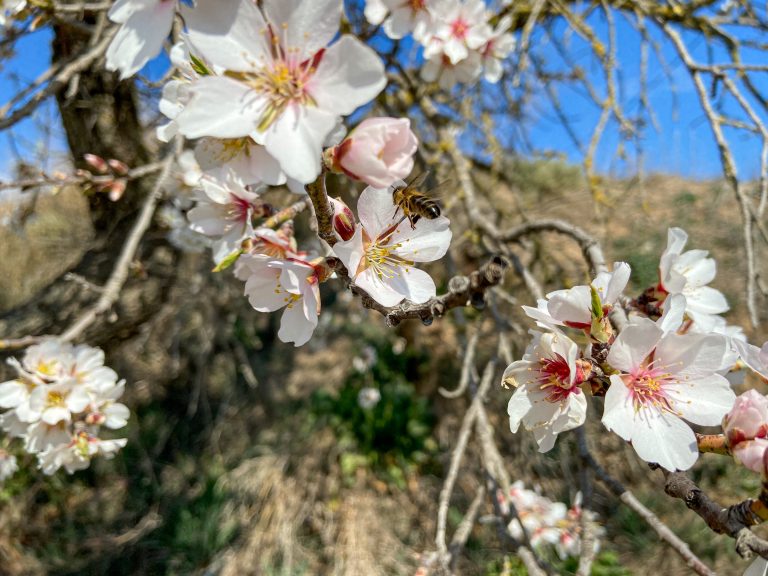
{"points": [[440, 69], [583, 307], [145, 26], [381, 254], [77, 453], [499, 45], [223, 212], [461, 27], [279, 82], [61, 390], [688, 273], [272, 284], [548, 399], [401, 17], [665, 378], [378, 151]]}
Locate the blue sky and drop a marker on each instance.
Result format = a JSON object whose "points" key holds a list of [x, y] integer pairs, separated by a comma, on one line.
{"points": [[683, 144]]}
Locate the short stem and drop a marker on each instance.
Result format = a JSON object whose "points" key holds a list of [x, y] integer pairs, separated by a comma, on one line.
{"points": [[323, 211], [712, 443]]}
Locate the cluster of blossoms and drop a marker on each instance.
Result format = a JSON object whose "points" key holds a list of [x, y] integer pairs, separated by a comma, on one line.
{"points": [[263, 89], [546, 523], [57, 404], [462, 39], [664, 371]]}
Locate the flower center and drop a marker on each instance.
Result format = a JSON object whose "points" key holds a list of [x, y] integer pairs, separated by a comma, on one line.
{"points": [[283, 79], [459, 28], [379, 255], [416, 5], [555, 378], [54, 399], [647, 388]]}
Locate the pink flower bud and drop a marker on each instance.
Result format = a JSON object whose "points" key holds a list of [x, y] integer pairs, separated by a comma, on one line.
{"points": [[343, 219], [96, 162], [116, 190], [747, 420], [378, 152], [118, 167]]}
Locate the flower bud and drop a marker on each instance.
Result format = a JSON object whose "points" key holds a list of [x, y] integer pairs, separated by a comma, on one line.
{"points": [[120, 168], [746, 428], [378, 152], [343, 219], [96, 162], [747, 420]]}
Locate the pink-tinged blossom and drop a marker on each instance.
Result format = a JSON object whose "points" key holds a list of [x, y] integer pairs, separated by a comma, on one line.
{"points": [[746, 429], [665, 378], [378, 151], [499, 46], [574, 307], [145, 26], [272, 284], [401, 17], [381, 255], [460, 28], [223, 212], [281, 83], [688, 273], [548, 399]]}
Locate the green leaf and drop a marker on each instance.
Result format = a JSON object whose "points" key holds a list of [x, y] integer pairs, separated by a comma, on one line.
{"points": [[199, 66]]}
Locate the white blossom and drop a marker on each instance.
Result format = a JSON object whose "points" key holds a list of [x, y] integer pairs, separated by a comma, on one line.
{"points": [[381, 254], [284, 86], [548, 399], [665, 378]]}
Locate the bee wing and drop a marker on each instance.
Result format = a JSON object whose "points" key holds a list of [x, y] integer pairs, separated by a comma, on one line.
{"points": [[418, 180], [439, 191]]}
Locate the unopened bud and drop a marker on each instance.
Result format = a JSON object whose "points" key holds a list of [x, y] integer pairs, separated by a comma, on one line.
{"points": [[343, 219], [96, 162], [95, 419], [118, 167], [116, 190]]}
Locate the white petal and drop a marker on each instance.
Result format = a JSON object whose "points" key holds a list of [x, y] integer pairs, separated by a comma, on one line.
{"points": [[666, 440], [295, 326], [349, 75], [304, 25], [692, 355], [517, 408], [429, 241], [380, 291], [416, 285], [704, 401], [220, 107], [231, 34], [376, 211], [140, 38], [295, 140], [752, 357], [12, 394], [572, 305], [634, 344], [350, 252]]}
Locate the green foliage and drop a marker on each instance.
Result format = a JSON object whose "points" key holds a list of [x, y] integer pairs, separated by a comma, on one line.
{"points": [[606, 564], [394, 435]]}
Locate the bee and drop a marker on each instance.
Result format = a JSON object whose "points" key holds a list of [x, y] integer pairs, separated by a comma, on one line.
{"points": [[414, 203]]}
